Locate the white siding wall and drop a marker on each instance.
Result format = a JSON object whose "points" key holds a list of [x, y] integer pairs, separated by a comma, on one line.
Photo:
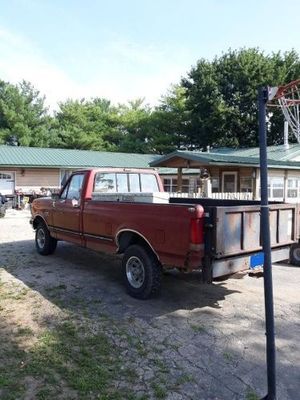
{"points": [[28, 179]]}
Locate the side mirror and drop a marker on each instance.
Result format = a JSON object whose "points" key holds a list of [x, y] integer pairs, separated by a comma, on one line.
{"points": [[55, 196], [75, 203]]}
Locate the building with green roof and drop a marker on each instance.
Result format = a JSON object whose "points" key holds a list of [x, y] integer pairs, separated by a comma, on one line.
{"points": [[28, 169], [237, 171], [215, 172]]}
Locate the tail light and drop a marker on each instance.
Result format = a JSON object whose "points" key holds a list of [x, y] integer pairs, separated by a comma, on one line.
{"points": [[197, 231]]}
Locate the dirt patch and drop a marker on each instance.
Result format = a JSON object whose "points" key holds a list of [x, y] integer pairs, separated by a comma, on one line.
{"points": [[70, 331]]}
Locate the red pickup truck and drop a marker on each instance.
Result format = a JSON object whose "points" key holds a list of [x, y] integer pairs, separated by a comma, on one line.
{"points": [[125, 211]]}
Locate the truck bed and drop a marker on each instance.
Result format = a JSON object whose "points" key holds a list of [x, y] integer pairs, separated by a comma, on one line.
{"points": [[232, 228]]}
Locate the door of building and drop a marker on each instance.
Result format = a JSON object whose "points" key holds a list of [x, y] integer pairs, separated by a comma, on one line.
{"points": [[229, 182], [7, 182]]}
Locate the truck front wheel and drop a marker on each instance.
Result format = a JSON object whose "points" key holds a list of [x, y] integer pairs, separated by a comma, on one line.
{"points": [[295, 254], [45, 244], [141, 272]]}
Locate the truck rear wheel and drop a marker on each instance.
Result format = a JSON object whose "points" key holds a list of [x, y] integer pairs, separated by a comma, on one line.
{"points": [[295, 254], [44, 243], [141, 272]]}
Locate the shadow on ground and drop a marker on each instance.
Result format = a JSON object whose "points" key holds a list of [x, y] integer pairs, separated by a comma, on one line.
{"points": [[97, 278], [227, 336]]}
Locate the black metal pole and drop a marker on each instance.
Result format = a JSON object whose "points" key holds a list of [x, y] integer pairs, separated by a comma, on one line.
{"points": [[265, 229]]}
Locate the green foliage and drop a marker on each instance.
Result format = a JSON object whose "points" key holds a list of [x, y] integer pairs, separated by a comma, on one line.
{"points": [[251, 395], [170, 122], [216, 105], [23, 115], [222, 97], [85, 125], [134, 127]]}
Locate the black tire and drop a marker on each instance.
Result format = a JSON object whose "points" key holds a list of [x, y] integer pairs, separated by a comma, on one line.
{"points": [[141, 272], [295, 254], [44, 243], [2, 211]]}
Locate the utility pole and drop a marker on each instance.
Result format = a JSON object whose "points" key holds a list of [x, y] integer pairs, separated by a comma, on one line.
{"points": [[263, 96]]}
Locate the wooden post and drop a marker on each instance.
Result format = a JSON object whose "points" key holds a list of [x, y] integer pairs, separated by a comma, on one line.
{"points": [[179, 179], [257, 185], [285, 186]]}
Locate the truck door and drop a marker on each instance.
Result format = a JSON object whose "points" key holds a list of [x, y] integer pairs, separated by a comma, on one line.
{"points": [[66, 211]]}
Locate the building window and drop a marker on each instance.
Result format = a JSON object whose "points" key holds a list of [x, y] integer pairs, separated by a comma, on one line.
{"points": [[276, 188], [215, 185], [246, 184], [5, 176], [170, 185], [293, 188], [229, 182]]}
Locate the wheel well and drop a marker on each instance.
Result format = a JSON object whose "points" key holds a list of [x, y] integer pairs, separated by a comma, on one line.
{"points": [[36, 221], [128, 238]]}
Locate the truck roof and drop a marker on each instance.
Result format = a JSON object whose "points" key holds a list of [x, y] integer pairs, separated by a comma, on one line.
{"points": [[117, 169]]}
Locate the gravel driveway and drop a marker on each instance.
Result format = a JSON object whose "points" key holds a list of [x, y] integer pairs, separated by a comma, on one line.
{"points": [[194, 341]]}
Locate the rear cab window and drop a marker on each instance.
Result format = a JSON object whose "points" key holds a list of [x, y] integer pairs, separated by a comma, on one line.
{"points": [[121, 182], [105, 183]]}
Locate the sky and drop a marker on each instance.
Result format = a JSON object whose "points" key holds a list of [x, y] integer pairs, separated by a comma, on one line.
{"points": [[128, 49]]}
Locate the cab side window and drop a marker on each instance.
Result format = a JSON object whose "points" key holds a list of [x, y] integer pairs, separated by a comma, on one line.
{"points": [[149, 183], [73, 189]]}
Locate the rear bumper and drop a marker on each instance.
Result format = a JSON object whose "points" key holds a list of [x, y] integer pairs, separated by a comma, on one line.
{"points": [[231, 265]]}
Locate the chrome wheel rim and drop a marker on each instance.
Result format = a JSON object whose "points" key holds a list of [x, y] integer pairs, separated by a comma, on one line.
{"points": [[40, 238], [135, 272]]}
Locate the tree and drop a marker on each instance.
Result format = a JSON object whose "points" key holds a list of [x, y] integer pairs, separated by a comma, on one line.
{"points": [[169, 122], [86, 125], [221, 97], [23, 115], [134, 126]]}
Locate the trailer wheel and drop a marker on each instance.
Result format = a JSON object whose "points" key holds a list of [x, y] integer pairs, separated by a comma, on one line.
{"points": [[141, 272], [44, 243], [295, 254]]}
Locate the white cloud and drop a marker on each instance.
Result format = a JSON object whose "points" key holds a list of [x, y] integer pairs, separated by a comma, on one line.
{"points": [[130, 71], [20, 60]]}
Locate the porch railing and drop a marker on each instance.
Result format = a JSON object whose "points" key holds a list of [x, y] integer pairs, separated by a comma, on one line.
{"points": [[217, 195]]}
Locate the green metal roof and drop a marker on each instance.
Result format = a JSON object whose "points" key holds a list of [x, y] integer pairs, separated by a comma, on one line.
{"points": [[35, 157], [248, 157], [276, 153]]}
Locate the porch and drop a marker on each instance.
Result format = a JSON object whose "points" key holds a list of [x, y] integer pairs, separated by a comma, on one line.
{"points": [[191, 174]]}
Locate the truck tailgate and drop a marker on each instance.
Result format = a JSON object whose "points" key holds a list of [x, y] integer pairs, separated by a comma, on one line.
{"points": [[234, 225], [236, 229]]}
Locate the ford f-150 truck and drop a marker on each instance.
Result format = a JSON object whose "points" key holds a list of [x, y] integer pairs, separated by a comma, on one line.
{"points": [[126, 211]]}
